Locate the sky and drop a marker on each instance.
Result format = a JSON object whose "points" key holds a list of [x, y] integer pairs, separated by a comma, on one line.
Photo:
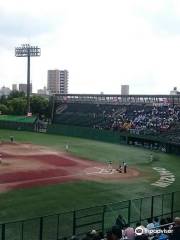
{"points": [[102, 43]]}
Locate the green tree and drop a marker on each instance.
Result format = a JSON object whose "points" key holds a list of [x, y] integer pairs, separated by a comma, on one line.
{"points": [[3, 100], [4, 109], [39, 105], [16, 94], [17, 106]]}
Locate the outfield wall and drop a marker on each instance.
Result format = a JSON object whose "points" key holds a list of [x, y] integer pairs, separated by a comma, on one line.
{"points": [[102, 135], [88, 133], [23, 123], [110, 136], [93, 134], [16, 126]]}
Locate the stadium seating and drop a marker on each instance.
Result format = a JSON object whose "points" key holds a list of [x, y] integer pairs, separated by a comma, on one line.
{"points": [[152, 229], [134, 119]]}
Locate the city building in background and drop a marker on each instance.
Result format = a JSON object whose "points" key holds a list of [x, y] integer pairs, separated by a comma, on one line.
{"points": [[14, 87], [43, 91], [5, 91], [23, 88], [124, 89], [174, 91], [57, 82], [64, 76], [53, 82]]}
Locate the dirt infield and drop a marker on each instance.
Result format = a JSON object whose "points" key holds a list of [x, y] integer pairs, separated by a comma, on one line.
{"points": [[26, 165]]}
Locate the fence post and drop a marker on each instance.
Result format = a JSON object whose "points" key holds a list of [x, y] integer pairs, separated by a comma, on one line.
{"points": [[104, 209], [3, 232], [41, 229], [152, 206], [74, 222], [140, 215], [22, 231], [58, 227], [129, 212], [172, 205], [162, 210]]}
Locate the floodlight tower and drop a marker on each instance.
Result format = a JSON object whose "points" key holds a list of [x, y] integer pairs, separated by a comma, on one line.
{"points": [[28, 51]]}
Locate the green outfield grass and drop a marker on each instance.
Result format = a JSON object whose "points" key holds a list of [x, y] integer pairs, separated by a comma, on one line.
{"points": [[25, 203]]}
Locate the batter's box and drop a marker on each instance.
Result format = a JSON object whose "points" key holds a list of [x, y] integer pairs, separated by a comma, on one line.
{"points": [[98, 170]]}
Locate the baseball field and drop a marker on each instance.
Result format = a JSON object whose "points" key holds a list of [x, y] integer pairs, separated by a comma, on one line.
{"points": [[40, 176]]}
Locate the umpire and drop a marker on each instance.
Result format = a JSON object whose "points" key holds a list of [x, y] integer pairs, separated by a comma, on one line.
{"points": [[11, 139], [125, 167]]}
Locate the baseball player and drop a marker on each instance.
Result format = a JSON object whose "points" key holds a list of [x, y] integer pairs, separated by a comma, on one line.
{"points": [[151, 158], [11, 139], [109, 166], [119, 169], [67, 147], [125, 167]]}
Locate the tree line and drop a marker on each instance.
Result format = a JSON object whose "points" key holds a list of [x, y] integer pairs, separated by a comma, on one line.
{"points": [[16, 104]]}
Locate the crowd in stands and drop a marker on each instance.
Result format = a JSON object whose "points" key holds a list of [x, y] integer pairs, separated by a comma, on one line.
{"points": [[143, 120], [155, 229], [134, 119], [137, 119]]}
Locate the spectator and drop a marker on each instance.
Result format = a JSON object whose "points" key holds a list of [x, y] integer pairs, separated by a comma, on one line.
{"points": [[129, 232], [162, 235], [163, 221], [120, 222], [156, 222], [150, 224], [74, 237], [143, 235], [116, 233], [169, 220], [176, 230], [108, 235]]}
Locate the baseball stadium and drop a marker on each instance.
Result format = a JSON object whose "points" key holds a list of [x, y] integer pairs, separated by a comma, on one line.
{"points": [[99, 161]]}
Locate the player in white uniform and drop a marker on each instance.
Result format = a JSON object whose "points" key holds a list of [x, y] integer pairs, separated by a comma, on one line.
{"points": [[125, 167], [151, 158], [110, 166], [67, 147]]}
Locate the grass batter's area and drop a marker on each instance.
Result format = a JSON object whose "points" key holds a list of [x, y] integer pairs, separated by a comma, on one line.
{"points": [[38, 176]]}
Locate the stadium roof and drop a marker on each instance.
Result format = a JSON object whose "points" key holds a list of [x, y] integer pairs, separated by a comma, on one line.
{"points": [[116, 99]]}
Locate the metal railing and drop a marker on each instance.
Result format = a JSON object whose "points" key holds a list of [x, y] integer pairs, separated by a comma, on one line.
{"points": [[78, 222]]}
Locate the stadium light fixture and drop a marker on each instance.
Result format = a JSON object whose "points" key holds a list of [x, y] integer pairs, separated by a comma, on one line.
{"points": [[26, 50]]}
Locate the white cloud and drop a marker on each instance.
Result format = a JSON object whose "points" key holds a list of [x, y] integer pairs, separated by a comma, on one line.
{"points": [[103, 43]]}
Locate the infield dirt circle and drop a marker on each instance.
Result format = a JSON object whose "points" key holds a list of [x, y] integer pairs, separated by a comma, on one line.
{"points": [[26, 165]]}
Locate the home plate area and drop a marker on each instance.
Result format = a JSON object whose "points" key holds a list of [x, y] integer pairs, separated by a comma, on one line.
{"points": [[98, 170]]}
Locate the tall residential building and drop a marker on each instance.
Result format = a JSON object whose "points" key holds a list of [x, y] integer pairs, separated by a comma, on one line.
{"points": [[57, 82], [23, 88], [124, 89], [64, 76], [14, 87]]}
